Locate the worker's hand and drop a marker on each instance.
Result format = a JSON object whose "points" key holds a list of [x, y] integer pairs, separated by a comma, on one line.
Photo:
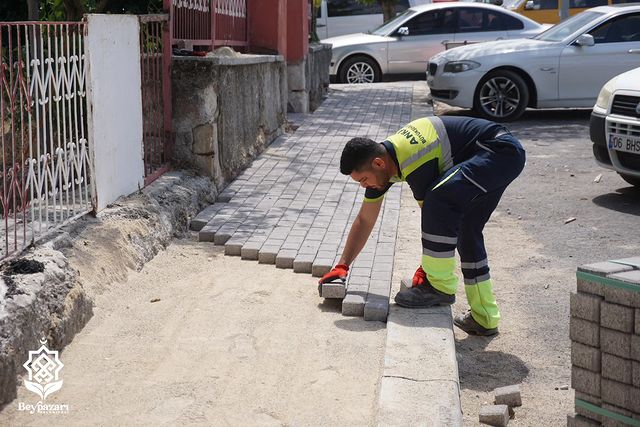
{"points": [[340, 271], [419, 277]]}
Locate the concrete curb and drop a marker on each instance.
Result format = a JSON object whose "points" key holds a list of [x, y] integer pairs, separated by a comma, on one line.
{"points": [[420, 384]]}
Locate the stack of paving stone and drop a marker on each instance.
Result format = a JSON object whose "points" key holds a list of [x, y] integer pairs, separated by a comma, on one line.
{"points": [[293, 208], [605, 344]]}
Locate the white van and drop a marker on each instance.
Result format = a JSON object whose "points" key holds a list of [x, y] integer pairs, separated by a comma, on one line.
{"points": [[339, 17]]}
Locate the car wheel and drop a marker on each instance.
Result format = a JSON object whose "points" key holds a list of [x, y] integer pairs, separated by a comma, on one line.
{"points": [[631, 180], [501, 95], [359, 69]]}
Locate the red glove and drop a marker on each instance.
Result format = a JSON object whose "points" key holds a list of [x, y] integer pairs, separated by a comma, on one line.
{"points": [[420, 277], [340, 271]]}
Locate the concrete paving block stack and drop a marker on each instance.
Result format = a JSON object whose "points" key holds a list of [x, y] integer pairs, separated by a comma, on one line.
{"points": [[605, 344], [293, 208]]}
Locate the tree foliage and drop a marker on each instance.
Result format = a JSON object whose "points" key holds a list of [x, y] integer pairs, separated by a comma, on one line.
{"points": [[73, 10]]}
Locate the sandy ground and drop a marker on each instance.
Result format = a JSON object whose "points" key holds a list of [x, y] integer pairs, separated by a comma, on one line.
{"points": [[230, 342]]}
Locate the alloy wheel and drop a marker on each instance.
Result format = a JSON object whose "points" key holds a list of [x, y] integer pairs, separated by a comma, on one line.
{"points": [[499, 97], [360, 72]]}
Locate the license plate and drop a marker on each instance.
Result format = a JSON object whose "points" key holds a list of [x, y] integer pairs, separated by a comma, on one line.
{"points": [[626, 143]]}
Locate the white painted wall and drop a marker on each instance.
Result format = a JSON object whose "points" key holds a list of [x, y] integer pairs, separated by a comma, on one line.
{"points": [[115, 119]]}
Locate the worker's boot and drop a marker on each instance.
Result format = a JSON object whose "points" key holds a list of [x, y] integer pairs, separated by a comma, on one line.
{"points": [[423, 296], [467, 323]]}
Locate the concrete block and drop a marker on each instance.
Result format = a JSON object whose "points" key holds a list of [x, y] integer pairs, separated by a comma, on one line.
{"points": [[635, 347], [624, 296], [586, 413], [585, 306], [615, 393], [615, 342], [336, 290], [585, 381], [584, 332], [635, 376], [604, 268], [233, 247], [637, 327], [321, 267], [618, 317], [353, 305], [494, 415], [509, 395], [376, 308], [303, 262], [204, 217], [610, 422], [580, 421], [616, 368], [207, 233], [250, 250], [631, 262], [584, 356], [589, 287], [406, 283], [285, 258], [268, 254]]}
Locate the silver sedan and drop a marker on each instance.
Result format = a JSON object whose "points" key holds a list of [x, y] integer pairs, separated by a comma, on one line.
{"points": [[405, 44]]}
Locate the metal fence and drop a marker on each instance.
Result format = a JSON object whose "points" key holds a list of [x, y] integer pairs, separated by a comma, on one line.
{"points": [[155, 62], [209, 23], [46, 170]]}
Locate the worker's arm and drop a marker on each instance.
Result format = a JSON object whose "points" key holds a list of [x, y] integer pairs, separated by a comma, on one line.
{"points": [[358, 235], [360, 230]]}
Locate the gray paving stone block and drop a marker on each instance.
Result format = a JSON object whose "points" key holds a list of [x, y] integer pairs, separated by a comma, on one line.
{"points": [[509, 395], [285, 258], [589, 287], [321, 267], [635, 347], [615, 342], [353, 305], [580, 421], [584, 356], [376, 308], [204, 217], [616, 368], [623, 296], [615, 316], [635, 376], [268, 254], [585, 381], [584, 332], [609, 422], [494, 415], [207, 234], [585, 306], [637, 327], [221, 237], [632, 262], [615, 393], [604, 268], [586, 413], [250, 250], [336, 290], [303, 263], [233, 247]]}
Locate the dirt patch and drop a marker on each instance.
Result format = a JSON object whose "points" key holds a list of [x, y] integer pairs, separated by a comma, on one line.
{"points": [[24, 266]]}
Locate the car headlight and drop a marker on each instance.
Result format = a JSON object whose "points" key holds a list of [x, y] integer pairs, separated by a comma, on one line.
{"points": [[460, 66], [605, 94]]}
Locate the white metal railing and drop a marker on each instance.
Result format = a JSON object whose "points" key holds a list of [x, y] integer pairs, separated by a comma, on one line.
{"points": [[45, 153]]}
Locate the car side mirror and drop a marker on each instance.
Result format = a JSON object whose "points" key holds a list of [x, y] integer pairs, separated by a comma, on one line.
{"points": [[403, 31], [585, 40], [529, 5]]}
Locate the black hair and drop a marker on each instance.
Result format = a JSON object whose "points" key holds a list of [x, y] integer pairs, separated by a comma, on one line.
{"points": [[358, 153]]}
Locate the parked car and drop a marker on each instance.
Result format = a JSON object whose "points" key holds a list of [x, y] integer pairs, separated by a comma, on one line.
{"points": [[405, 44], [615, 126], [564, 66]]}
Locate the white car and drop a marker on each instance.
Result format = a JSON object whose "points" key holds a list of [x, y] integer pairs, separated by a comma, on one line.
{"points": [[615, 126], [564, 66], [405, 44]]}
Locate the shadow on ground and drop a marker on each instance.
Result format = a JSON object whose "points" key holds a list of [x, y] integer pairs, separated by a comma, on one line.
{"points": [[624, 200], [483, 370]]}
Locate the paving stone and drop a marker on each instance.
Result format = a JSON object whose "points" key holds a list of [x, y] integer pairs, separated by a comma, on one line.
{"points": [[615, 342], [353, 305], [604, 268], [494, 415], [509, 395], [584, 332], [584, 356], [580, 421], [250, 250], [268, 254], [204, 217], [637, 327], [303, 263], [618, 317], [616, 368], [285, 258], [624, 296], [234, 247], [337, 290], [376, 307], [321, 267], [635, 347], [636, 374], [615, 393], [585, 306], [585, 412], [207, 233], [585, 381], [610, 422]]}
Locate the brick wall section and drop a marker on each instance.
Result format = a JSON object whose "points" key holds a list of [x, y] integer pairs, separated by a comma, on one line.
{"points": [[605, 342]]}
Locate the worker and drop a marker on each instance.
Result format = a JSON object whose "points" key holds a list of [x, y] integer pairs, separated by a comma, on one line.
{"points": [[457, 169]]}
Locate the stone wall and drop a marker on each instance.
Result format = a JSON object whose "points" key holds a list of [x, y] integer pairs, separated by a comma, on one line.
{"points": [[308, 79], [605, 344], [226, 110]]}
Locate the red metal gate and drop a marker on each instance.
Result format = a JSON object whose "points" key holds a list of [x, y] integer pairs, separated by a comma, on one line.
{"points": [[155, 61]]}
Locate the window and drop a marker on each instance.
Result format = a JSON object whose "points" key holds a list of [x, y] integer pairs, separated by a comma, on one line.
{"points": [[545, 4], [434, 22], [511, 23], [618, 30], [587, 3], [623, 1], [476, 20], [353, 7], [469, 20]]}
